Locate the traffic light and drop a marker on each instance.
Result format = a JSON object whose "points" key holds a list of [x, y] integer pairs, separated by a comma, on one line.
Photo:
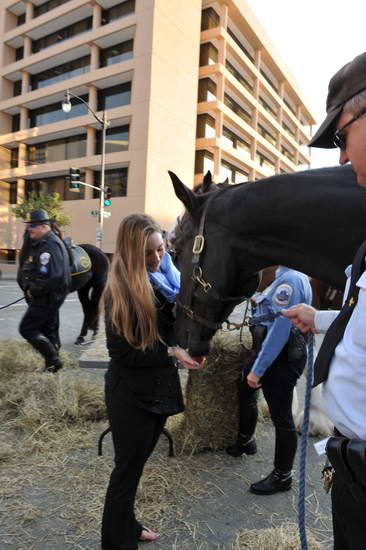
{"points": [[107, 196], [74, 180]]}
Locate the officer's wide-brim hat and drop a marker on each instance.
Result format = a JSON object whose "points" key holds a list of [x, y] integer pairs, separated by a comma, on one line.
{"points": [[346, 83], [38, 216]]}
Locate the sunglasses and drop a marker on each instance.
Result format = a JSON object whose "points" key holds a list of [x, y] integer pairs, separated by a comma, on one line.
{"points": [[33, 224], [338, 139]]}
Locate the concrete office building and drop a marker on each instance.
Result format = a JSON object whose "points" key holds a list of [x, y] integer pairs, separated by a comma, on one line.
{"points": [[187, 86]]}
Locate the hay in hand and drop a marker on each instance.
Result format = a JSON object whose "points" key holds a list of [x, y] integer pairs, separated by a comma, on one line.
{"points": [[283, 537], [210, 420]]}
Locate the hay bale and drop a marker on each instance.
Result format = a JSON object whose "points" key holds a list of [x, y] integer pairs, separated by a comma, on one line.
{"points": [[210, 420], [283, 537], [38, 409]]}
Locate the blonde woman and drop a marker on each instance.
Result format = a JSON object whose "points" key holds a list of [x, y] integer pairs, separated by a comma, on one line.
{"points": [[142, 382]]}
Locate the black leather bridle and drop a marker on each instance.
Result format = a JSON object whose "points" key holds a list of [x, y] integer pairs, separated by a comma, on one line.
{"points": [[197, 277]]}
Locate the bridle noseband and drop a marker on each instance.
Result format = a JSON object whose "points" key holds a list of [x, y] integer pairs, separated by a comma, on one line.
{"points": [[197, 277]]}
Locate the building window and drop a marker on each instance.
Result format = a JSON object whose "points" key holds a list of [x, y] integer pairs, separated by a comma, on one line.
{"points": [[13, 192], [15, 122], [58, 149], [240, 111], [17, 87], [117, 96], [267, 135], [121, 10], [210, 19], [8, 256], [234, 141], [265, 161], [53, 113], [291, 131], [62, 34], [234, 174], [116, 54], [267, 106], [14, 156], [115, 179], [19, 53], [288, 154], [61, 72], [238, 43], [205, 126], [21, 19], [58, 184], [47, 6], [208, 54], [204, 161], [116, 140], [206, 90], [268, 79], [238, 76]]}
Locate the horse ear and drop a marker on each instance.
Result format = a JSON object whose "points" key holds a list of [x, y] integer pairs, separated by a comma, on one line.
{"points": [[184, 194], [207, 182]]}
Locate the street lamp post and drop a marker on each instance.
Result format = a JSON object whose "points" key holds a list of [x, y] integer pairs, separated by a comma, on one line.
{"points": [[66, 107]]}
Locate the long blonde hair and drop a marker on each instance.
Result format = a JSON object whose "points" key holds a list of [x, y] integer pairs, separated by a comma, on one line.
{"points": [[128, 291]]}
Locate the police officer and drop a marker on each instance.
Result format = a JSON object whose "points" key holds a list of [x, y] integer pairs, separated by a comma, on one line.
{"points": [[45, 279], [280, 360], [341, 361]]}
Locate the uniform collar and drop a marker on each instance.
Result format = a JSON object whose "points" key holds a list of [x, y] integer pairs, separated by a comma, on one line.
{"points": [[281, 270]]}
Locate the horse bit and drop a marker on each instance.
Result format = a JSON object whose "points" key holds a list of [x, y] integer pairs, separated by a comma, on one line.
{"points": [[197, 277]]}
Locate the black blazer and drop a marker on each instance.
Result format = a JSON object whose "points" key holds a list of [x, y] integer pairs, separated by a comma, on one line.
{"points": [[149, 379]]}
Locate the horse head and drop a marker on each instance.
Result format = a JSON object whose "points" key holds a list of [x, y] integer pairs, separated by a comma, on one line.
{"points": [[208, 254]]}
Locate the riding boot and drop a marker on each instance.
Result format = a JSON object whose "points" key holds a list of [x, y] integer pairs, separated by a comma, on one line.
{"points": [[48, 351], [275, 482], [248, 416]]}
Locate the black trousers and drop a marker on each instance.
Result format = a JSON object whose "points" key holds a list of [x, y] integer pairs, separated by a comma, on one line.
{"points": [[349, 526], [135, 432], [41, 320], [278, 383]]}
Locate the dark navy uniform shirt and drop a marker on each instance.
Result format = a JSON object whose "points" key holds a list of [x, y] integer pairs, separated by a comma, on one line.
{"points": [[45, 271]]}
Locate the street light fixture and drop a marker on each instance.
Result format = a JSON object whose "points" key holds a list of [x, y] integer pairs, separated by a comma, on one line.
{"points": [[66, 107]]}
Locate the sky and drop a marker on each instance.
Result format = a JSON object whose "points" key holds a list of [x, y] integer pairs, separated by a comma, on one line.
{"points": [[314, 38]]}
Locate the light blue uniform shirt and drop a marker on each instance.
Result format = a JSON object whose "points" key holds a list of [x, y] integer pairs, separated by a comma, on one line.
{"points": [[290, 287]]}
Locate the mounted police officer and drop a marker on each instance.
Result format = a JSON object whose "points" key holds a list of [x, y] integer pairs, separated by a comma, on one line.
{"points": [[45, 279], [341, 361], [280, 360]]}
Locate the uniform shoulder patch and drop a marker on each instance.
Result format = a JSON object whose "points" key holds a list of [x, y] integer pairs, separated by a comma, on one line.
{"points": [[45, 258], [283, 294]]}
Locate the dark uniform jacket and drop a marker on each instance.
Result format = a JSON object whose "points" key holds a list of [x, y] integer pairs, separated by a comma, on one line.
{"points": [[45, 271], [149, 378]]}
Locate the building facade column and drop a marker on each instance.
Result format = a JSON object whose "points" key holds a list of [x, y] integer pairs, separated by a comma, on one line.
{"points": [[97, 16], [29, 11], [89, 179], [23, 124], [25, 82]]}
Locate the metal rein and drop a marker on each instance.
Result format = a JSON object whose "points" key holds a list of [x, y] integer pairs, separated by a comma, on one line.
{"points": [[198, 278]]}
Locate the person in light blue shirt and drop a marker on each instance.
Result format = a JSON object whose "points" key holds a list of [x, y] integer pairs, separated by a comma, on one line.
{"points": [[280, 359]]}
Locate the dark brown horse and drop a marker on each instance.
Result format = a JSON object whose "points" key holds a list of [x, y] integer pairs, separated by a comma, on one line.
{"points": [[312, 221]]}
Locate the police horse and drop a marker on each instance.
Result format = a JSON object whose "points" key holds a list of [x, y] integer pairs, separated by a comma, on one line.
{"points": [[311, 221], [89, 269]]}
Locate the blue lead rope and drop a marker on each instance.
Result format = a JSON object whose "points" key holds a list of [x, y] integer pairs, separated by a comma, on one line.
{"points": [[12, 303], [301, 514]]}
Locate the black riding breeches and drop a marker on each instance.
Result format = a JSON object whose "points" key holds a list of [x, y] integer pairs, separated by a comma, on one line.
{"points": [[40, 320], [278, 383]]}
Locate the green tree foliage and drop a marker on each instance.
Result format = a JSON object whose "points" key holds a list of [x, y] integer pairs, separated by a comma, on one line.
{"points": [[47, 201]]}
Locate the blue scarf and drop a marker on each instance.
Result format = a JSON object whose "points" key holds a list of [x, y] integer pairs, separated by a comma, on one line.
{"points": [[166, 279]]}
